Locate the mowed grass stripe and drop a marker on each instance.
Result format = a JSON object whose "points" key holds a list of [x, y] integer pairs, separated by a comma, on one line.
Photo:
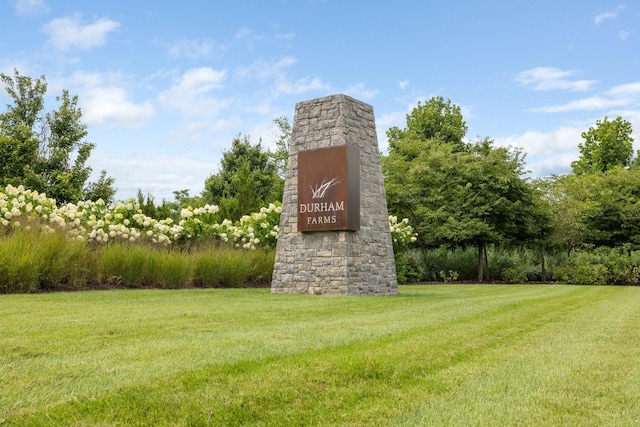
{"points": [[434, 355]]}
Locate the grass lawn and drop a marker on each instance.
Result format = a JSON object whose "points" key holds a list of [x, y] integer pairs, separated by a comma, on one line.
{"points": [[463, 355]]}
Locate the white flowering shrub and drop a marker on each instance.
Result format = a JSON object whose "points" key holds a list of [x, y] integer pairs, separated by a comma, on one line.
{"points": [[92, 221], [124, 221], [16, 204], [259, 228], [402, 233]]}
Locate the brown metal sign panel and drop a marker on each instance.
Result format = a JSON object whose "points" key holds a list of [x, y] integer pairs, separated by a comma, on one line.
{"points": [[329, 189]]}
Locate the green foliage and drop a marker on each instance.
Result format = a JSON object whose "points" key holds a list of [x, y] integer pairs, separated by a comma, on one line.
{"points": [[600, 208], [46, 152], [19, 264], [606, 146], [603, 266], [409, 266], [247, 180], [436, 120], [31, 261], [459, 194], [168, 269], [224, 268], [462, 261], [102, 189], [281, 154], [123, 265], [64, 263]]}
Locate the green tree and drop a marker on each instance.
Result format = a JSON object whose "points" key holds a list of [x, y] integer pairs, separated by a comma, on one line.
{"points": [[436, 120], [101, 189], [246, 181], [20, 127], [606, 146], [281, 154], [456, 193], [597, 209], [46, 152]]}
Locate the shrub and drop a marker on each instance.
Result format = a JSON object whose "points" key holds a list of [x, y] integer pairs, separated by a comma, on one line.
{"points": [[515, 274], [603, 266], [462, 261], [409, 265]]}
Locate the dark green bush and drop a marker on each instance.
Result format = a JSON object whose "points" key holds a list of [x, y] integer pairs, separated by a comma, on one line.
{"points": [[602, 266], [409, 265]]}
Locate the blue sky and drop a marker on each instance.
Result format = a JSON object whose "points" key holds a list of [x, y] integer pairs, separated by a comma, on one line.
{"points": [[165, 86]]}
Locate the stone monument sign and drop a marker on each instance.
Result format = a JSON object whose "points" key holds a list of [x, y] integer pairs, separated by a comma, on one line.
{"points": [[334, 236]]}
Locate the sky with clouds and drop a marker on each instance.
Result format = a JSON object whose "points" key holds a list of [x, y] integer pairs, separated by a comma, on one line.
{"points": [[164, 87]]}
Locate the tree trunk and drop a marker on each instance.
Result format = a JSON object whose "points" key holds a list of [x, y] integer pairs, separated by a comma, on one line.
{"points": [[486, 264], [480, 261], [543, 264]]}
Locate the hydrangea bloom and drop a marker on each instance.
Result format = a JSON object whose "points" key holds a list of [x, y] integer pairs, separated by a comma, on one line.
{"points": [[93, 221]]}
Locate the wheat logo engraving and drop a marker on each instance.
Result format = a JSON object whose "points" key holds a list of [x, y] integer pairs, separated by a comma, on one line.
{"points": [[320, 190]]}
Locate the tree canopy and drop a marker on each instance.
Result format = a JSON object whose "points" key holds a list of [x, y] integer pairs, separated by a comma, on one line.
{"points": [[246, 181], [606, 145], [46, 152], [436, 120], [457, 193]]}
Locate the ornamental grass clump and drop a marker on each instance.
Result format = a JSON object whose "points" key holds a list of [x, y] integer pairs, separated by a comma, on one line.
{"points": [[168, 269], [123, 265], [19, 264], [224, 267], [32, 260], [63, 263]]}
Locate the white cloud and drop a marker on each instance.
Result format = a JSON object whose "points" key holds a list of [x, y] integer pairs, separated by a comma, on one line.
{"points": [[30, 7], [403, 84], [360, 91], [625, 90], [551, 78], [263, 70], [276, 80], [301, 86], [621, 96], [623, 35], [249, 37], [194, 49], [159, 175], [111, 105], [104, 102], [67, 33], [585, 104], [610, 14], [547, 152], [191, 94]]}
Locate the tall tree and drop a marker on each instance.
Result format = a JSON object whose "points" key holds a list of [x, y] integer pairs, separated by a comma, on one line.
{"points": [[46, 152], [246, 181], [436, 120], [567, 209], [606, 145], [456, 193]]}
